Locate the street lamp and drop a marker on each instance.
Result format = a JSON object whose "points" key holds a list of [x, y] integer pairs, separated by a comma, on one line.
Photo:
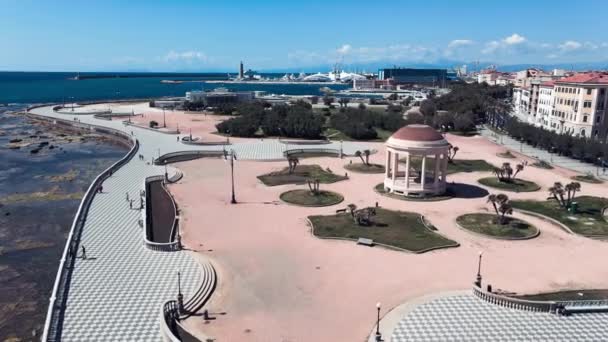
{"points": [[232, 157], [378, 334], [164, 121], [180, 296], [599, 162], [478, 280]]}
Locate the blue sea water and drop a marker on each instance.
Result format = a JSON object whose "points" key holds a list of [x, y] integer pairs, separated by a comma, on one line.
{"points": [[43, 87]]}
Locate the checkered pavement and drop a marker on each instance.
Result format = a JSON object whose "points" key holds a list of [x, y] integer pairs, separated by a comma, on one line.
{"points": [[468, 318]]}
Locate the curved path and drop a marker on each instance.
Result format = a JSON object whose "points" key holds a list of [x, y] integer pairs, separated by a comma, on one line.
{"points": [[116, 293], [460, 316]]}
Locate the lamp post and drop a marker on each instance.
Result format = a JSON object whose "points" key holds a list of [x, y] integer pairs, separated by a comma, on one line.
{"points": [[599, 162], [180, 296], [478, 280], [378, 334], [232, 157], [164, 121]]}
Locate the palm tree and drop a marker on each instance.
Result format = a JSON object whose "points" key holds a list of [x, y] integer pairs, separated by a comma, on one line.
{"points": [[452, 153], [498, 201], [505, 208], [518, 169], [572, 188], [367, 153], [360, 155], [557, 191], [352, 207], [313, 185], [492, 199]]}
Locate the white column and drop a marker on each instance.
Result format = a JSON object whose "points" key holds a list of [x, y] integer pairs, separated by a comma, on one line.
{"points": [[407, 172], [444, 167], [437, 162], [395, 169], [423, 172], [387, 163]]}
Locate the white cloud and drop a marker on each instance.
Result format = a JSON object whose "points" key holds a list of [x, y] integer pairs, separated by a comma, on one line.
{"points": [[570, 45], [344, 49], [514, 39], [459, 42], [491, 47], [186, 56]]}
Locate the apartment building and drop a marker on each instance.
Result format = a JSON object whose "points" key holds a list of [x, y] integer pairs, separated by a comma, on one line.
{"points": [[580, 103], [544, 111]]}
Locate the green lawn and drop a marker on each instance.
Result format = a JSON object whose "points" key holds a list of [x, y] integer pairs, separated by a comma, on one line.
{"points": [[517, 185], [487, 224], [335, 135], [507, 154], [588, 178], [395, 228], [587, 221], [306, 198], [568, 295], [365, 168], [457, 165], [301, 174], [541, 164]]}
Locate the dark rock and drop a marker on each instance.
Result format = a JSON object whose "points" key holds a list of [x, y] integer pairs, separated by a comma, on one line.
{"points": [[16, 140]]}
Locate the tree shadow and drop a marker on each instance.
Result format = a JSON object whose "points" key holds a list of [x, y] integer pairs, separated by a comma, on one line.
{"points": [[463, 190]]}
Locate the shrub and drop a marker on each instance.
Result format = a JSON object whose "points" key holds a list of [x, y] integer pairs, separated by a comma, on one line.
{"points": [[153, 124]]}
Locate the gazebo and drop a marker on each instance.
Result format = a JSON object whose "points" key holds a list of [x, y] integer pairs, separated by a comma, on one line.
{"points": [[424, 154]]}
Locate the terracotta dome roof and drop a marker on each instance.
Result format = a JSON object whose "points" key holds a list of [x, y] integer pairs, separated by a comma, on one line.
{"points": [[417, 133]]}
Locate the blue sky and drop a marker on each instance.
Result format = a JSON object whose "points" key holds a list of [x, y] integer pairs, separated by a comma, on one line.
{"points": [[151, 35]]}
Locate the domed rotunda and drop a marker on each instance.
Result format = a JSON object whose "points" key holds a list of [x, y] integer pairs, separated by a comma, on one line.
{"points": [[416, 162]]}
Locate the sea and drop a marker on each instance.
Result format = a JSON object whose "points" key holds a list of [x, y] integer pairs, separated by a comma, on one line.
{"points": [[45, 87], [43, 175]]}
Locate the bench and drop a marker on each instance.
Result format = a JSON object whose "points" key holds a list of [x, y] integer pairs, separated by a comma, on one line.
{"points": [[365, 242], [340, 211]]}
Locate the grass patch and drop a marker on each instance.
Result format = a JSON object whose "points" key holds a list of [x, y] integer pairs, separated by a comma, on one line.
{"points": [[301, 174], [588, 220], [365, 168], [507, 154], [487, 224], [394, 228], [517, 185], [568, 295], [541, 164], [446, 196], [588, 178], [308, 199], [336, 135], [457, 165]]}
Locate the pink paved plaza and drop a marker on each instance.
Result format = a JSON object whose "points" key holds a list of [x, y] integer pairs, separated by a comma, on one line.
{"points": [[277, 282]]}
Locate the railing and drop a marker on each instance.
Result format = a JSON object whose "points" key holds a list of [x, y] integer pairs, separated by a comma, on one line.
{"points": [[305, 142], [332, 151], [175, 244], [186, 155], [515, 303], [168, 321], [58, 297]]}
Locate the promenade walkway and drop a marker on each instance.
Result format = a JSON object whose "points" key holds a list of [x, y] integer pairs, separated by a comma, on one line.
{"points": [[552, 158], [117, 292], [464, 317]]}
